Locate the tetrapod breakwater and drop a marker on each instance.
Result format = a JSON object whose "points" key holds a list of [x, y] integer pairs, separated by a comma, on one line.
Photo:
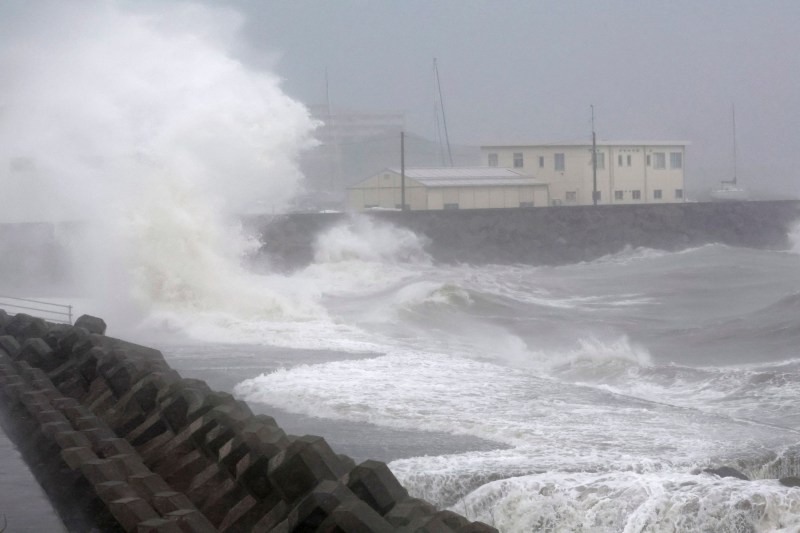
{"points": [[121, 442]]}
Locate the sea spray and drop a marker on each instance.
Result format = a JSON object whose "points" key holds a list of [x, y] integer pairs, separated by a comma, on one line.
{"points": [[366, 239], [141, 123]]}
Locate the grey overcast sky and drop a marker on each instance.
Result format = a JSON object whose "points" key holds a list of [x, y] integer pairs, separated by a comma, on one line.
{"points": [[517, 71], [526, 70]]}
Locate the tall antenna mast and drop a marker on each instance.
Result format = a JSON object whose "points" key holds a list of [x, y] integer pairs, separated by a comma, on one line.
{"points": [[336, 173], [733, 112], [594, 161], [441, 105]]}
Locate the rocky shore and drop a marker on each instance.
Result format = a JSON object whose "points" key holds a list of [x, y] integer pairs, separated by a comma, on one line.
{"points": [[121, 442]]}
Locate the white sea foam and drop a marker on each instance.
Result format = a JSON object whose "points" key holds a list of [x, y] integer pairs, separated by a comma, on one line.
{"points": [[633, 502], [431, 293], [365, 239], [592, 352], [546, 421], [362, 255]]}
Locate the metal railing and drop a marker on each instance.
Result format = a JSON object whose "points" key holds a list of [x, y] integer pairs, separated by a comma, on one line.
{"points": [[47, 310]]}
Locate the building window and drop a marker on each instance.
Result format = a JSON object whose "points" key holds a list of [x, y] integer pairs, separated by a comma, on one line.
{"points": [[657, 194], [619, 160], [559, 162], [450, 206], [660, 160], [518, 160], [571, 197], [618, 195], [648, 160], [556, 201], [629, 160], [598, 195], [675, 160], [526, 204], [636, 195], [541, 161], [679, 194], [492, 160], [600, 157]]}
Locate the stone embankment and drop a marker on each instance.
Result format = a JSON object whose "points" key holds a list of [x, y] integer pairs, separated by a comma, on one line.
{"points": [[121, 442], [547, 236]]}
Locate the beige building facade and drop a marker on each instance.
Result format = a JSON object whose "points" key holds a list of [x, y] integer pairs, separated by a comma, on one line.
{"points": [[629, 172], [449, 188]]}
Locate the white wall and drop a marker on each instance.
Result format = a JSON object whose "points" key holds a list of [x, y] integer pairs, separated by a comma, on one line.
{"points": [[576, 180]]}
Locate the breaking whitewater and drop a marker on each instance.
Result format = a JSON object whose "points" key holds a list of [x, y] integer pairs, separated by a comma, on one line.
{"points": [[585, 397]]}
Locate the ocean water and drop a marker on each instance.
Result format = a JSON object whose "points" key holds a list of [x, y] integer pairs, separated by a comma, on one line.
{"points": [[584, 397]]}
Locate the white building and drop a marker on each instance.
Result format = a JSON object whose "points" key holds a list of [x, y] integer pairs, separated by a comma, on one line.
{"points": [[628, 172], [449, 188]]}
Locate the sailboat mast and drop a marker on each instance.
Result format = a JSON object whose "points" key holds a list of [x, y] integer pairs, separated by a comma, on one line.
{"points": [[441, 105], [335, 177], [733, 112]]}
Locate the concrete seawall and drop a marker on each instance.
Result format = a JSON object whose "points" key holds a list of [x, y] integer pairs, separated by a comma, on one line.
{"points": [[121, 442], [549, 236]]}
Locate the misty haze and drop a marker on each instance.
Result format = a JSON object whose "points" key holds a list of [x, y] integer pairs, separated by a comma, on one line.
{"points": [[376, 222]]}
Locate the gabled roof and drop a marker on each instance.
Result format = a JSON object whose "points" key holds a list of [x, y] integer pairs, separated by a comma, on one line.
{"points": [[467, 176]]}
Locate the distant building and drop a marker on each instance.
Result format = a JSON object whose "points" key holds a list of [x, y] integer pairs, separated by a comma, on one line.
{"points": [[627, 172], [354, 144], [449, 188], [355, 126]]}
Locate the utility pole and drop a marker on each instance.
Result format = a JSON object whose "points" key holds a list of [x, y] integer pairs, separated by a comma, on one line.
{"points": [[594, 161], [402, 171]]}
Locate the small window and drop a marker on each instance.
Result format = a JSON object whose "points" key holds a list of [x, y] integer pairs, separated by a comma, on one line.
{"points": [[598, 195], [618, 195], [450, 206], [559, 162], [386, 176], [657, 194], [619, 160], [526, 204], [629, 160], [675, 160], [648, 160], [660, 160], [556, 201], [600, 157], [518, 160], [679, 194], [492, 160], [636, 195], [541, 161], [571, 196]]}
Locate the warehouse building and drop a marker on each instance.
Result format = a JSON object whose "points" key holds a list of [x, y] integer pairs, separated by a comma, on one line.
{"points": [[629, 172], [449, 188]]}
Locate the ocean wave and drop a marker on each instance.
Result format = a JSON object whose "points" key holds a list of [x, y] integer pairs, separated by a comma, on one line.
{"points": [[627, 501], [427, 293], [630, 254], [362, 238]]}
